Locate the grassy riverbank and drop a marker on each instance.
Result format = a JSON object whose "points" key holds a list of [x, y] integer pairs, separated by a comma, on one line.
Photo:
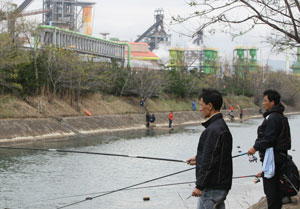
{"points": [[97, 104]]}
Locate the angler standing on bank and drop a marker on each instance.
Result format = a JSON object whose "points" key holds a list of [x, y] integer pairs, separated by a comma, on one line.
{"points": [[274, 132], [170, 116], [214, 159]]}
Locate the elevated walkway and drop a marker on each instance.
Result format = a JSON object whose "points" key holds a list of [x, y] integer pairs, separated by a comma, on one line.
{"points": [[81, 43]]}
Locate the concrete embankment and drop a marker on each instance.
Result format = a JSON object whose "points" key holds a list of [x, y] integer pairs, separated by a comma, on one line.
{"points": [[21, 130]]}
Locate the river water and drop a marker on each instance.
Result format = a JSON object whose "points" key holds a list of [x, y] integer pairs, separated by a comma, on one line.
{"points": [[42, 180]]}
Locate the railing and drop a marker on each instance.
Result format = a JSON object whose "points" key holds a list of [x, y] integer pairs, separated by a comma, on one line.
{"points": [[81, 43]]}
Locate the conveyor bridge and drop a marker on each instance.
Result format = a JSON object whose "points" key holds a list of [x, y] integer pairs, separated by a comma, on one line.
{"points": [[81, 43]]}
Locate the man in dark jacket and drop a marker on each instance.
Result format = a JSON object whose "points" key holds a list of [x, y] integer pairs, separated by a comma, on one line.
{"points": [[273, 132], [148, 119], [214, 159]]}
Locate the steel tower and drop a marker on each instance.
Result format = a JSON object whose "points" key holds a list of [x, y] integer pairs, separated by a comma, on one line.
{"points": [[156, 33], [63, 13]]}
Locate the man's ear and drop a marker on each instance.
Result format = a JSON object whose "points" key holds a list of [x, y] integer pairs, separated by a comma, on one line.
{"points": [[211, 107], [273, 103]]}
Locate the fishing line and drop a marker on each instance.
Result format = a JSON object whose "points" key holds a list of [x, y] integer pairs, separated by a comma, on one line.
{"points": [[130, 187], [94, 153], [136, 188], [124, 188], [144, 187]]}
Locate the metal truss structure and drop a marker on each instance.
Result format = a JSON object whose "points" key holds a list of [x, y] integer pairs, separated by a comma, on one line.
{"points": [[156, 33], [193, 57], [63, 13], [83, 44], [199, 37]]}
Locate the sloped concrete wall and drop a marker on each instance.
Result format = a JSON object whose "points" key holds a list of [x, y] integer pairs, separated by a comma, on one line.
{"points": [[18, 130], [31, 129]]}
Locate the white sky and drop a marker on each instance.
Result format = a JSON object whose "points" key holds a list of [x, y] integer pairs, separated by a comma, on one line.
{"points": [[126, 19]]}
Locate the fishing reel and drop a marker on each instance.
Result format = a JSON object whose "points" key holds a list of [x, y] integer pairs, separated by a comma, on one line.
{"points": [[256, 180], [252, 159]]}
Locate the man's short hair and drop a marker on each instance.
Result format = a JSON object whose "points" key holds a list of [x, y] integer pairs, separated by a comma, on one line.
{"points": [[212, 96], [272, 95]]}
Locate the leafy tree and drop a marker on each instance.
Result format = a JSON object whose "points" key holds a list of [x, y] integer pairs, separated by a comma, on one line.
{"points": [[15, 61], [11, 58]]}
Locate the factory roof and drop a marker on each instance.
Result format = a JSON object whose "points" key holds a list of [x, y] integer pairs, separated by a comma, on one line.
{"points": [[141, 51]]}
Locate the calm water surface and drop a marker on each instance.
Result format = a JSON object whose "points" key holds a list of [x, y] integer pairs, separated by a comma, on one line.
{"points": [[42, 180]]}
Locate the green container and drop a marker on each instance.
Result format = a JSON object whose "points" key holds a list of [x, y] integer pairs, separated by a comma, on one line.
{"points": [[176, 58], [210, 63], [243, 64], [253, 53], [240, 53]]}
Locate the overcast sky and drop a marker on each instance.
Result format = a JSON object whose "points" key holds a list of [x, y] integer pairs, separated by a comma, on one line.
{"points": [[126, 19]]}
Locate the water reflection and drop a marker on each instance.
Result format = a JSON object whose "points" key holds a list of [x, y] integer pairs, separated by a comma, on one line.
{"points": [[34, 179]]}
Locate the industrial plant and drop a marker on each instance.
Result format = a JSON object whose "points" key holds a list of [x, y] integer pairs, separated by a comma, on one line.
{"points": [[68, 24]]}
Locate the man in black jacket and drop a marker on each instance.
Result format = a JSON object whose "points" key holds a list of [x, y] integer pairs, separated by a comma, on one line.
{"points": [[273, 132], [214, 159]]}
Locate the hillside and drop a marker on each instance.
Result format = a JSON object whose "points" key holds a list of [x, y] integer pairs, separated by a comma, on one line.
{"points": [[97, 104]]}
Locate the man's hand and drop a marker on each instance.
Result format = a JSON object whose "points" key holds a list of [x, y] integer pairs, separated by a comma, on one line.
{"points": [[259, 174], [197, 192], [251, 151], [191, 161]]}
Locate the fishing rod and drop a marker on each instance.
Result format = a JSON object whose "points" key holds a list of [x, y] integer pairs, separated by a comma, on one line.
{"points": [[235, 156], [105, 154], [127, 187], [134, 185], [94, 153], [241, 177], [135, 188], [144, 187]]}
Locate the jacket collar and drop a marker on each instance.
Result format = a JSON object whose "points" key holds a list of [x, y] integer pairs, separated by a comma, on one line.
{"points": [[278, 108], [212, 118]]}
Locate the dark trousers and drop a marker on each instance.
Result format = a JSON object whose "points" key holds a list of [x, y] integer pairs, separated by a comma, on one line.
{"points": [[170, 123], [271, 186], [272, 191]]}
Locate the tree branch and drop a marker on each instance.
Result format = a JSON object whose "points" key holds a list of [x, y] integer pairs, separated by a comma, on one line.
{"points": [[292, 18]]}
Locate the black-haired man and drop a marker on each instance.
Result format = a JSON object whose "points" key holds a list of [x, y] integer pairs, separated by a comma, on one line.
{"points": [[214, 159], [273, 132]]}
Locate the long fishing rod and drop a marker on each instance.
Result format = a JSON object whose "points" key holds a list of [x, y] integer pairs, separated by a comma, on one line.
{"points": [[101, 153], [144, 187], [135, 188], [94, 153], [128, 187]]}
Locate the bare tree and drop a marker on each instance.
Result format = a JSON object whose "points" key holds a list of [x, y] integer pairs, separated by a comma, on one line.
{"points": [[144, 83], [281, 16]]}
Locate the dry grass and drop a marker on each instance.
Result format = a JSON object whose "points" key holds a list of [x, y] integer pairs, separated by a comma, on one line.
{"points": [[97, 104], [11, 107]]}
